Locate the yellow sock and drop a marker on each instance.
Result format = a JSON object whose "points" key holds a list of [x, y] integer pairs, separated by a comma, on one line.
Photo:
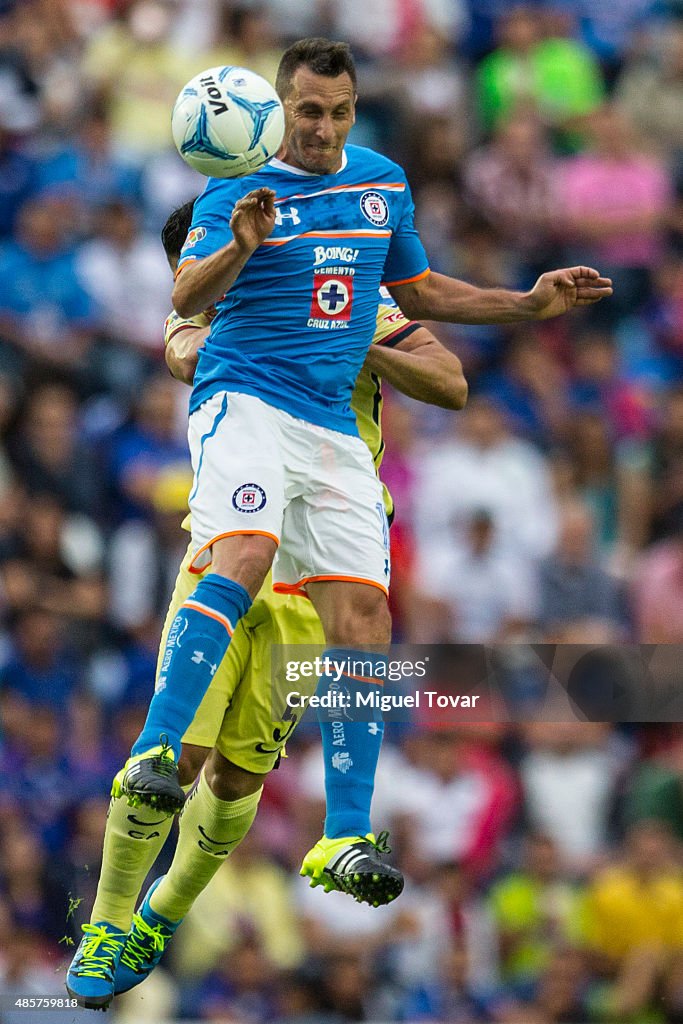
{"points": [[210, 829], [133, 839]]}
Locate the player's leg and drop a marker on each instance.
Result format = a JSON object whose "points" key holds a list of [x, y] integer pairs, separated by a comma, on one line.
{"points": [[134, 835], [217, 815], [222, 806], [357, 625], [235, 452], [336, 544], [133, 839]]}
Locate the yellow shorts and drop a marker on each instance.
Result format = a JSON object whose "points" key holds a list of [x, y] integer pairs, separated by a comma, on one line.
{"points": [[236, 713]]}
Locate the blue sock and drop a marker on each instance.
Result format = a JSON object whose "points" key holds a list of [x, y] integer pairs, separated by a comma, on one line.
{"points": [[197, 641], [350, 748]]}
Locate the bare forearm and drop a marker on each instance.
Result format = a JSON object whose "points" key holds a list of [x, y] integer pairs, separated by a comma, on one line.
{"points": [[201, 284], [437, 380], [446, 298], [182, 352]]}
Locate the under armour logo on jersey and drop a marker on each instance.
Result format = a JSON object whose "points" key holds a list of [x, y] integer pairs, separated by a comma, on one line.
{"points": [[199, 659], [293, 215]]}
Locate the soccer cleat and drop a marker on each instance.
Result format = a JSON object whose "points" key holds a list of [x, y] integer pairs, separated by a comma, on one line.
{"points": [[354, 865], [152, 779], [90, 978], [145, 944]]}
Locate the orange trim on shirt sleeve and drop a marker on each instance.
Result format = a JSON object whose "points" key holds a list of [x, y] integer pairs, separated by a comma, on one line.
{"points": [[290, 590], [293, 588], [185, 263], [231, 533], [407, 280]]}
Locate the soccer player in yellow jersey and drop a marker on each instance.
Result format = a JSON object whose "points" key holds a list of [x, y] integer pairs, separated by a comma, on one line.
{"points": [[234, 741]]}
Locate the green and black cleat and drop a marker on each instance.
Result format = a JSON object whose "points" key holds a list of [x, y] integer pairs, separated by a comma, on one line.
{"points": [[355, 865], [151, 779]]}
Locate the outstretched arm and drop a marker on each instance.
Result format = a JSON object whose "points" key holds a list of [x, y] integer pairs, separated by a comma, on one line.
{"points": [[200, 283], [422, 368], [437, 297]]}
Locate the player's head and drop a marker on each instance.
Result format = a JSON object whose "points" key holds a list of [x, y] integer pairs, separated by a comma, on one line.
{"points": [[316, 81], [174, 232]]}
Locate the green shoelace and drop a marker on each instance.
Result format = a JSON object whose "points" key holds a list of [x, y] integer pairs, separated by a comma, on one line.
{"points": [[143, 939], [93, 963]]}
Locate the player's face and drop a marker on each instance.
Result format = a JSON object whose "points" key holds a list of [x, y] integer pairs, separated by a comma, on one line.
{"points": [[319, 113]]}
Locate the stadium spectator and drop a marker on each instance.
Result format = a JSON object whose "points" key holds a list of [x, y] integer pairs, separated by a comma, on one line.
{"points": [[616, 202], [124, 271], [531, 386], [655, 792], [49, 454], [156, 69], [513, 184], [611, 479], [536, 909], [144, 447], [664, 463], [476, 593], [44, 311], [569, 773], [658, 595], [557, 76], [576, 596], [484, 466], [635, 947], [244, 38], [87, 167], [650, 91]]}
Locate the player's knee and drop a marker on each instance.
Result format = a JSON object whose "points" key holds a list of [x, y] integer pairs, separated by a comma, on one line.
{"points": [[228, 781], [190, 764], [244, 558], [362, 619]]}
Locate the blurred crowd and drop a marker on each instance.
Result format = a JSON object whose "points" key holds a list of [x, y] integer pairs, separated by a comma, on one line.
{"points": [[545, 881]]}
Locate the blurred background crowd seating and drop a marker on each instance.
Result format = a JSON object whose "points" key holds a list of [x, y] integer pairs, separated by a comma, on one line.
{"points": [[545, 881]]}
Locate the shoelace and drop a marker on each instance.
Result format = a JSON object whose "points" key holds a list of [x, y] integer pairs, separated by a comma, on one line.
{"points": [[163, 763], [92, 964], [143, 939], [380, 843]]}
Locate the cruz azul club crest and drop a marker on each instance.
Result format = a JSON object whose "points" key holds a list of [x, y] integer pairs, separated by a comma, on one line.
{"points": [[374, 208], [332, 297]]}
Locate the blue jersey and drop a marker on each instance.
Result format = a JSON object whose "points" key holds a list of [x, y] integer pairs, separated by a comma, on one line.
{"points": [[296, 326]]}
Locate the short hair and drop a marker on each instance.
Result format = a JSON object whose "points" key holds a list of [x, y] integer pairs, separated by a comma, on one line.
{"points": [[175, 230], [321, 56]]}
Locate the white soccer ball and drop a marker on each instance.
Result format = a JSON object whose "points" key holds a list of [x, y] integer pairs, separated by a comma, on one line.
{"points": [[227, 122]]}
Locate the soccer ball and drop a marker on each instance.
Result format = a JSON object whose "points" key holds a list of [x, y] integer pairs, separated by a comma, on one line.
{"points": [[227, 122]]}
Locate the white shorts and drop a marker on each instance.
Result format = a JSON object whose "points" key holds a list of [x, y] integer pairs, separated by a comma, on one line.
{"points": [[313, 490]]}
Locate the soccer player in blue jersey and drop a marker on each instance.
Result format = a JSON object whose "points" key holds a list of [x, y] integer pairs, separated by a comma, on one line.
{"points": [[240, 727], [293, 267]]}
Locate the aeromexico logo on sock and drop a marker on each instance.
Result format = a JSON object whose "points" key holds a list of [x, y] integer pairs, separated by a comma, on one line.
{"points": [[174, 640], [341, 760]]}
